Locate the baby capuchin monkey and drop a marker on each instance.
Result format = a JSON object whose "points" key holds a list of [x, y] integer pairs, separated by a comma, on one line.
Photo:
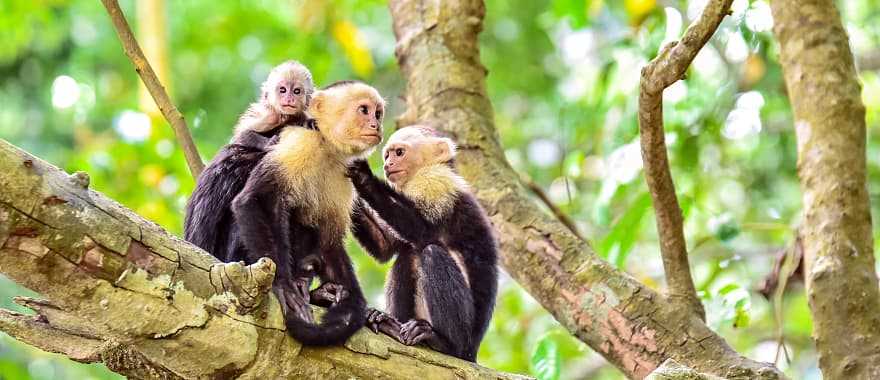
{"points": [[284, 98], [296, 209], [443, 284]]}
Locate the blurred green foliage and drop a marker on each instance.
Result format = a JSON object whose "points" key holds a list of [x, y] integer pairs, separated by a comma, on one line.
{"points": [[563, 78]]}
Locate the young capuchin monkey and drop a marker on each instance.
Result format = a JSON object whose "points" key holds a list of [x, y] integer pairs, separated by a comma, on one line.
{"points": [[284, 98], [296, 209], [443, 284]]}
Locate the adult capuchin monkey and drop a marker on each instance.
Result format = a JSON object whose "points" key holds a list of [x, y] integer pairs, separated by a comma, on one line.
{"points": [[296, 208], [443, 284], [284, 98]]}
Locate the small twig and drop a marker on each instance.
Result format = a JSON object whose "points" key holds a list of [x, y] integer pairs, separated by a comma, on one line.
{"points": [[667, 68], [157, 91], [560, 215]]}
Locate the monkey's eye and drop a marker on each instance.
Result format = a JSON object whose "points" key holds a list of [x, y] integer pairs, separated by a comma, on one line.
{"points": [[297, 91], [398, 152], [378, 115], [282, 90], [364, 110]]}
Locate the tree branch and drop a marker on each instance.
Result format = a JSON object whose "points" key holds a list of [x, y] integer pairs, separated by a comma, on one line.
{"points": [[561, 215], [626, 322], [838, 247], [120, 290], [157, 91], [667, 68]]}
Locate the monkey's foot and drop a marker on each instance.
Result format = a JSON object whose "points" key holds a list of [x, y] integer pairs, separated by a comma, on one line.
{"points": [[328, 294], [378, 320], [416, 331]]}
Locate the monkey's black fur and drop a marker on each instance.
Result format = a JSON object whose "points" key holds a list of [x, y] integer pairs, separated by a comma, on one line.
{"points": [[270, 224], [459, 311], [208, 219]]}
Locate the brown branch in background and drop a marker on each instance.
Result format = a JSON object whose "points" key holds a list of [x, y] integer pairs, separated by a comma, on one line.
{"points": [[659, 74], [560, 215], [151, 81]]}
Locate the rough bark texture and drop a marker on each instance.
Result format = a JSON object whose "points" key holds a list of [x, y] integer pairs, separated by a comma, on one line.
{"points": [[120, 290], [154, 86], [632, 326], [667, 68], [830, 126]]}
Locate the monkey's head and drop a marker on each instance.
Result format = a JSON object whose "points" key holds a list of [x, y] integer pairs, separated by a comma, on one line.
{"points": [[289, 88], [412, 148], [349, 115]]}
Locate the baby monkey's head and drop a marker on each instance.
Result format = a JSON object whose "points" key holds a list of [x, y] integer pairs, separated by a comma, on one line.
{"points": [[412, 148], [288, 90]]}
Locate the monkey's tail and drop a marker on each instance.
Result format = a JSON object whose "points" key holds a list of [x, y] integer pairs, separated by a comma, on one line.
{"points": [[339, 323]]}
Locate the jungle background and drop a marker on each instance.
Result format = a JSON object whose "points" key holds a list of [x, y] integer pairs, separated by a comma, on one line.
{"points": [[563, 77]]}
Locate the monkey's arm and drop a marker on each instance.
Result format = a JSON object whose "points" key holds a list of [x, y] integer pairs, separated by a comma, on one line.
{"points": [[262, 227], [373, 234], [394, 208]]}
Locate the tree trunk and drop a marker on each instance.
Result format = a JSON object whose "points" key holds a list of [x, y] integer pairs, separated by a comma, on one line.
{"points": [[632, 326], [838, 246], [122, 291]]}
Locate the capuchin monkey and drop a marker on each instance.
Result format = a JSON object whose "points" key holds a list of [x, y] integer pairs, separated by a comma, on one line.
{"points": [[284, 98], [296, 209], [443, 284]]}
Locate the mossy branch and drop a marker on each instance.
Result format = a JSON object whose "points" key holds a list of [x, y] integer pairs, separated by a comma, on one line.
{"points": [[120, 290]]}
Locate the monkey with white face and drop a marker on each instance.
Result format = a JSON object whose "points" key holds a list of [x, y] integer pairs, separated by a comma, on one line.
{"points": [[284, 98], [296, 209], [443, 283]]}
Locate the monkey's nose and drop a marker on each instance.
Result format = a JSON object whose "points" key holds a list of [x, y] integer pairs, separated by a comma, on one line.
{"points": [[374, 126], [387, 166]]}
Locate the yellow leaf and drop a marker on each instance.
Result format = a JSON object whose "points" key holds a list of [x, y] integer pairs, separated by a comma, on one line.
{"points": [[151, 175], [638, 9], [753, 70], [348, 36]]}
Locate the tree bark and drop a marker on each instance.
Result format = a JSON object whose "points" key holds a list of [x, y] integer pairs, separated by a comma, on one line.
{"points": [[122, 291], [632, 326], [664, 70], [838, 246]]}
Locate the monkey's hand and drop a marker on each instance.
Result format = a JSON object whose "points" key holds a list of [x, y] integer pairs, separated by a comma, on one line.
{"points": [[328, 294], [359, 171], [416, 331], [294, 298]]}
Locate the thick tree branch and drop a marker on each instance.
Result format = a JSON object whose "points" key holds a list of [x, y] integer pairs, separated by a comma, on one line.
{"points": [[120, 290], [838, 247], [629, 324], [157, 91], [667, 68]]}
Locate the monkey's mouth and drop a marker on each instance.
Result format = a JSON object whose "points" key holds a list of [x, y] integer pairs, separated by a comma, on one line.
{"points": [[393, 176], [290, 108], [372, 137]]}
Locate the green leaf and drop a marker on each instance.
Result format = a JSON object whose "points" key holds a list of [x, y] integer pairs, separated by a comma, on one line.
{"points": [[625, 232], [727, 231], [545, 363]]}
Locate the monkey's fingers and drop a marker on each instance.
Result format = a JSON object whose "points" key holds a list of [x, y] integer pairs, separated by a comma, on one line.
{"points": [[299, 307], [415, 331]]}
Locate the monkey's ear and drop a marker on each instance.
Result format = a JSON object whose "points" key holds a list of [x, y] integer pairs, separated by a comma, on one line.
{"points": [[317, 101], [444, 149]]}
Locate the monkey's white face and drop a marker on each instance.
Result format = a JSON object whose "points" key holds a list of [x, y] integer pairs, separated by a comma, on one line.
{"points": [[289, 88], [412, 148], [350, 116], [289, 96]]}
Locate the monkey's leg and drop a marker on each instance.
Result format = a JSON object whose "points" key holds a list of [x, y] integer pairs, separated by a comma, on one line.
{"points": [[449, 302]]}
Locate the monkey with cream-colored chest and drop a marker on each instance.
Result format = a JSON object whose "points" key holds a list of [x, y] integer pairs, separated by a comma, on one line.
{"points": [[295, 208], [441, 289]]}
